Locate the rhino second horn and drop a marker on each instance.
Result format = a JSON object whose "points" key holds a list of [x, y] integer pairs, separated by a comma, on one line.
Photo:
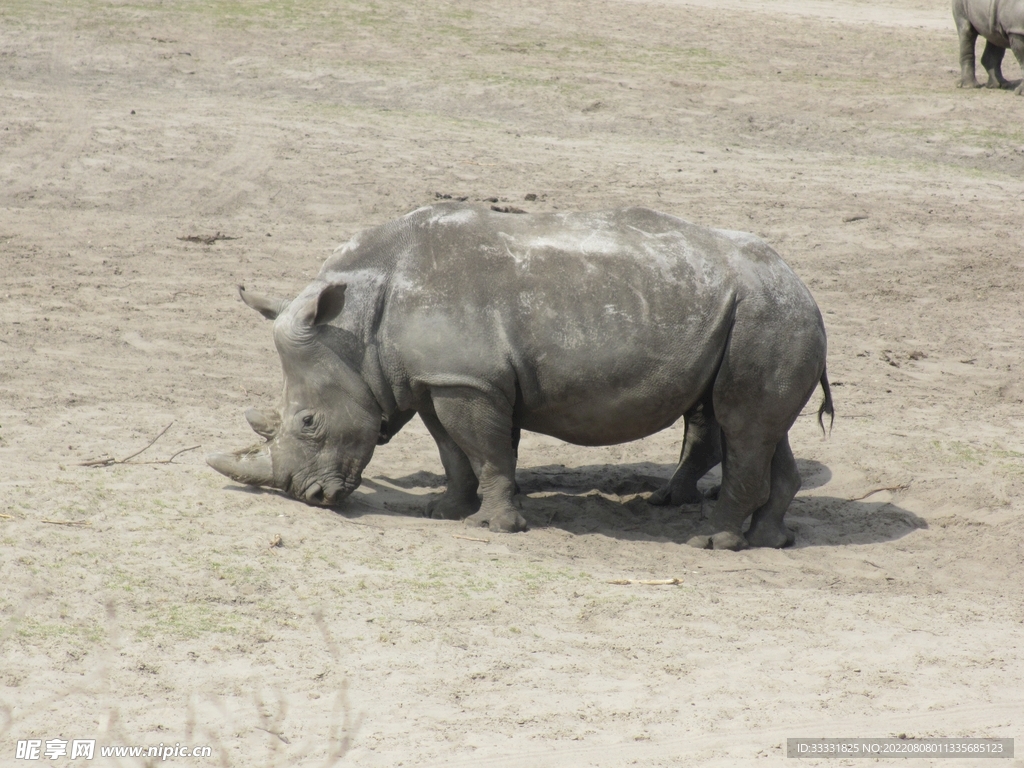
{"points": [[244, 467], [262, 424], [267, 306]]}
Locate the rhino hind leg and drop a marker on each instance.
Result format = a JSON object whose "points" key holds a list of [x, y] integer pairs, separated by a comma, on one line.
{"points": [[1017, 46], [767, 528], [702, 450], [992, 61], [459, 499], [481, 425], [746, 486], [769, 371]]}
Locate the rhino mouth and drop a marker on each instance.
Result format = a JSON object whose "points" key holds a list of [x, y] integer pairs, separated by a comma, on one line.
{"points": [[328, 494]]}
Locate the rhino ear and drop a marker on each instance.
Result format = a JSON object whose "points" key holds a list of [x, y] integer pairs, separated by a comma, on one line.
{"points": [[323, 307], [269, 307]]}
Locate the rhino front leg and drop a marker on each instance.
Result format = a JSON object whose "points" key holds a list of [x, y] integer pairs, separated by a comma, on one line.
{"points": [[459, 498], [481, 424], [992, 61], [968, 37]]}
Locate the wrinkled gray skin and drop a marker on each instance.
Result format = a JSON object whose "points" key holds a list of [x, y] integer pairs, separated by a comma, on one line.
{"points": [[595, 328], [1001, 23]]}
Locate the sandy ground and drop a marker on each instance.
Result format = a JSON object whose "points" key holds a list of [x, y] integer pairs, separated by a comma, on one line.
{"points": [[144, 604]]}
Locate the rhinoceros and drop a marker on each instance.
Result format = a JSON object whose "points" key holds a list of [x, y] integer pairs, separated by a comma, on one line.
{"points": [[1001, 23], [594, 328]]}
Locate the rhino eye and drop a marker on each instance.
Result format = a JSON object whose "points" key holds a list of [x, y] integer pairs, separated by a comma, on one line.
{"points": [[307, 420]]}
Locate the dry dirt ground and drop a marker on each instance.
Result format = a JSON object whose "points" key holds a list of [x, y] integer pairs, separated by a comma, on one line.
{"points": [[143, 603]]}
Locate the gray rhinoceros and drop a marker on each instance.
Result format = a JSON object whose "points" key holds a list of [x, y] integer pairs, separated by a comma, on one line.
{"points": [[1001, 23], [595, 328]]}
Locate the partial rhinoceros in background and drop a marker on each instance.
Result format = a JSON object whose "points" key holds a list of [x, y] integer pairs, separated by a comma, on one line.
{"points": [[595, 328], [1001, 23]]}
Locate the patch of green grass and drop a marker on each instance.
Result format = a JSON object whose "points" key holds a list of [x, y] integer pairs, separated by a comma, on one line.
{"points": [[900, 166], [956, 451], [966, 452], [1003, 453], [33, 630], [189, 621], [235, 575], [120, 579]]}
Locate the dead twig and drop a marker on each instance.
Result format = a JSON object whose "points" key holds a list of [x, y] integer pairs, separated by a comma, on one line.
{"points": [[893, 488], [108, 461], [122, 461], [273, 733], [648, 582], [170, 460], [206, 239], [98, 462], [350, 521], [68, 522], [7, 517], [470, 538]]}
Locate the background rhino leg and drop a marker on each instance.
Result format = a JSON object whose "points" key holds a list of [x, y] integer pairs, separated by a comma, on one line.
{"points": [[1017, 46], [992, 61], [968, 36], [702, 449], [392, 425], [459, 499], [767, 528], [482, 427]]}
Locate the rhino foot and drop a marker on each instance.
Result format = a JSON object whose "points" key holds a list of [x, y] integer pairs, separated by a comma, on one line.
{"points": [[449, 506], [770, 536], [728, 540], [721, 540], [669, 495], [504, 520]]}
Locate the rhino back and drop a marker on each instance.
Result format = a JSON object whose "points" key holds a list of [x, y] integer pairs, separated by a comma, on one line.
{"points": [[578, 319], [995, 20]]}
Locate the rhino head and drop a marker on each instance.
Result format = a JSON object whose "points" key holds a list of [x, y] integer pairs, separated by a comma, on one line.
{"points": [[323, 435]]}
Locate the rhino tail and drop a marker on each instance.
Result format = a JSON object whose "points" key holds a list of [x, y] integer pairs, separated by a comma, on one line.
{"points": [[826, 404]]}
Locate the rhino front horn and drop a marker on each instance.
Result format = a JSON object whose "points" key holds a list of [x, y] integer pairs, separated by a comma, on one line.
{"points": [[247, 467]]}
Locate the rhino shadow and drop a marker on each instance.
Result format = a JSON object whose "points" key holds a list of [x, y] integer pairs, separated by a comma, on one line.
{"points": [[818, 521], [611, 500], [618, 479]]}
